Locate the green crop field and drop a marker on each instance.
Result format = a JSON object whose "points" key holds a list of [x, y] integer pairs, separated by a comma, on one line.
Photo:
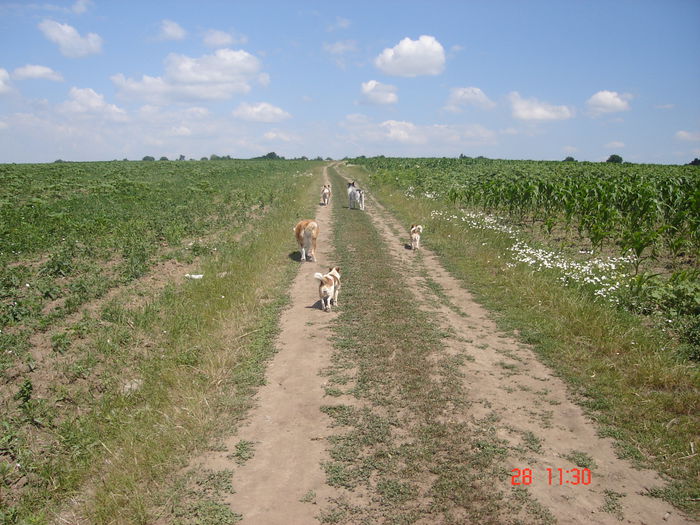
{"points": [[118, 366], [89, 253], [637, 226]]}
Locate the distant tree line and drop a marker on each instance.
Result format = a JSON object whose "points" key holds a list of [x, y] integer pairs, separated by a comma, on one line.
{"points": [[615, 159], [269, 156]]}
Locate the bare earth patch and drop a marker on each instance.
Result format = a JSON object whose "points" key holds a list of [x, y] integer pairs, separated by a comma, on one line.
{"points": [[276, 455]]}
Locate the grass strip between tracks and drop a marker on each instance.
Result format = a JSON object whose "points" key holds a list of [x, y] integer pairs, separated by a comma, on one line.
{"points": [[397, 442]]}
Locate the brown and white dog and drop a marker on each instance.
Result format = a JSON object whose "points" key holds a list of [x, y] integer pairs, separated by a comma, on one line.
{"points": [[306, 233], [326, 194], [416, 230], [328, 287]]}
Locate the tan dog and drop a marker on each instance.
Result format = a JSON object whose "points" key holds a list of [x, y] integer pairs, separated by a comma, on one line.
{"points": [[328, 287], [306, 233], [326, 194], [416, 230]]}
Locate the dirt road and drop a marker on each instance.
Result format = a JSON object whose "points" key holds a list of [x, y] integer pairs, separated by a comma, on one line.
{"points": [[570, 474]]}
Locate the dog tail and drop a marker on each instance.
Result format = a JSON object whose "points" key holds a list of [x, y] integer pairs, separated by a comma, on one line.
{"points": [[319, 276]]}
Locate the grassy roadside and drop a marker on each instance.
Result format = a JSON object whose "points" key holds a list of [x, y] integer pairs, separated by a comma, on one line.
{"points": [[400, 439], [182, 368], [624, 373]]}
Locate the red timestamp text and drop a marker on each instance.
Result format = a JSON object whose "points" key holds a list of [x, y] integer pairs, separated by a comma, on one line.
{"points": [[553, 476]]}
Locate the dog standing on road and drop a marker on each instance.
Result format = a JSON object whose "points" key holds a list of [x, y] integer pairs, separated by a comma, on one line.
{"points": [[416, 230], [326, 194], [356, 197], [328, 287], [306, 233]]}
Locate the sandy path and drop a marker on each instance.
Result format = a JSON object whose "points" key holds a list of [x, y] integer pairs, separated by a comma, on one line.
{"points": [[507, 380], [287, 427], [524, 401]]}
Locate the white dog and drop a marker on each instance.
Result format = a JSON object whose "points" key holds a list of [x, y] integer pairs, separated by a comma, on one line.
{"points": [[326, 194], [328, 287], [416, 230], [356, 197], [306, 233]]}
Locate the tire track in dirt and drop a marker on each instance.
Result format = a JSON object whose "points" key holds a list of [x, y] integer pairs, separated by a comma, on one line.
{"points": [[287, 428], [528, 405]]}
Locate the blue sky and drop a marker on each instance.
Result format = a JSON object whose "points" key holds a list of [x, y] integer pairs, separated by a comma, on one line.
{"points": [[101, 80]]}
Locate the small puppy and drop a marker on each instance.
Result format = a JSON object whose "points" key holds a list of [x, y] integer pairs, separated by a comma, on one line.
{"points": [[328, 287], [326, 194], [361, 199], [306, 233], [416, 230]]}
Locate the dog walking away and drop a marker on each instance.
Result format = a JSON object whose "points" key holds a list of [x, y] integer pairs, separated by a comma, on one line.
{"points": [[328, 287], [361, 199], [351, 190], [306, 233], [356, 197], [326, 194], [416, 230]]}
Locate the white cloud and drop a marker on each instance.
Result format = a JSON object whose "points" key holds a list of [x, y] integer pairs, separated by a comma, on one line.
{"points": [[608, 102], [88, 102], [4, 81], [216, 38], [410, 58], [180, 131], [402, 131], [260, 112], [276, 135], [81, 6], [533, 109], [362, 130], [688, 135], [340, 23], [615, 144], [35, 71], [170, 30], [468, 96], [210, 77], [69, 41], [224, 66], [341, 47], [377, 93], [85, 127], [570, 149]]}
